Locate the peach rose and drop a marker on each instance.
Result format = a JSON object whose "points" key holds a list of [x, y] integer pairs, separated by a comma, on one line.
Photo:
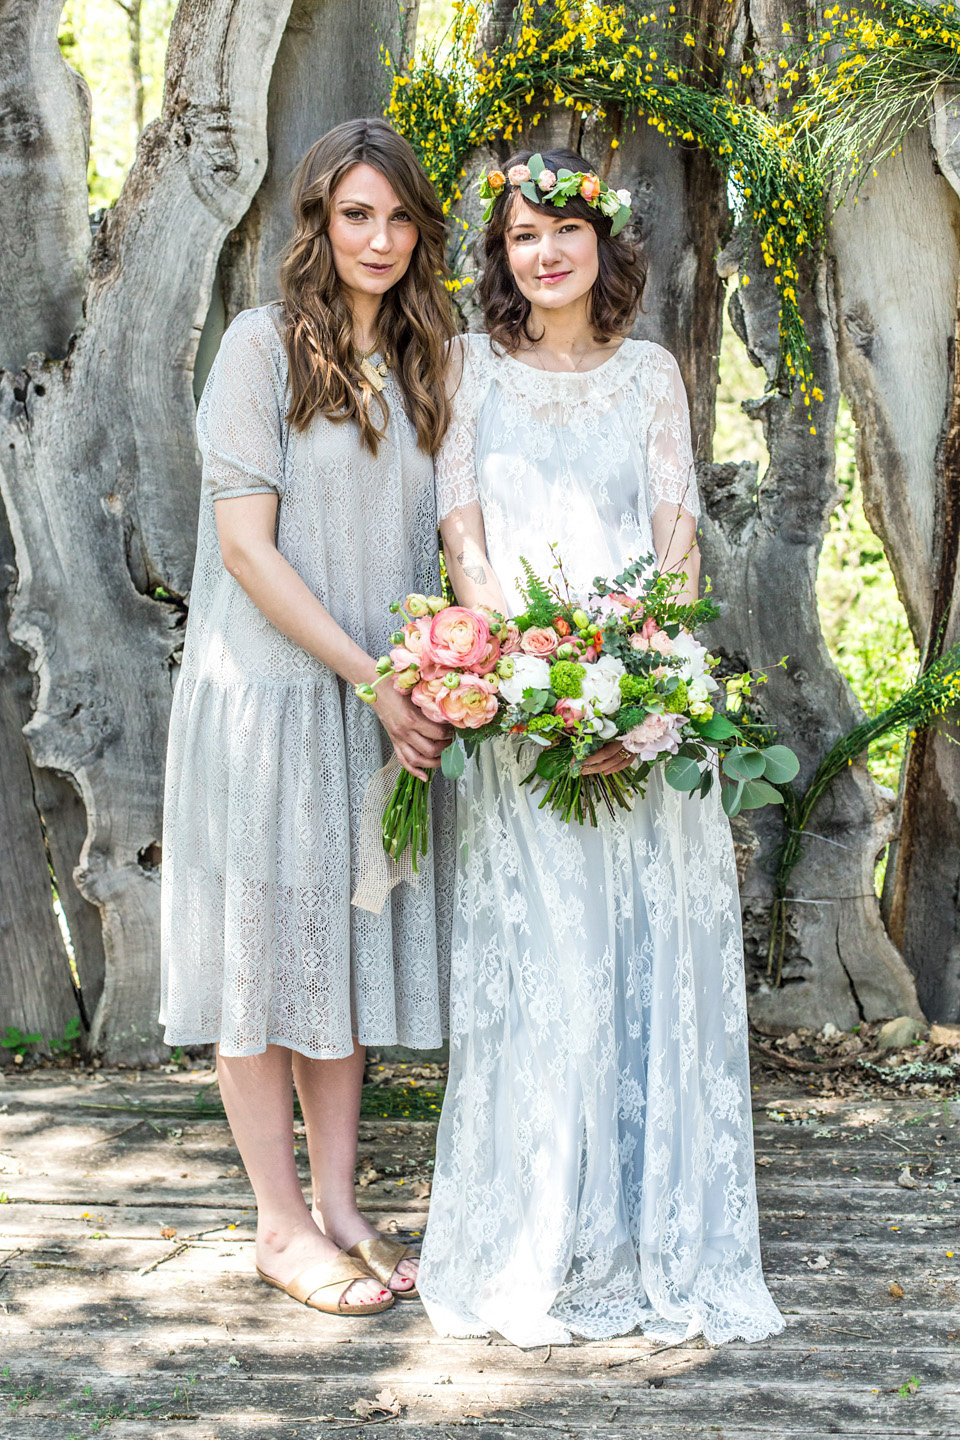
{"points": [[496, 180], [661, 643], [472, 704], [517, 174], [561, 626], [546, 181], [590, 188], [538, 642], [427, 694], [489, 659], [458, 638], [570, 712]]}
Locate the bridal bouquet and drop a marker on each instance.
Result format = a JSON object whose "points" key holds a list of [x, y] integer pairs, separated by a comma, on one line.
{"points": [[571, 676]]}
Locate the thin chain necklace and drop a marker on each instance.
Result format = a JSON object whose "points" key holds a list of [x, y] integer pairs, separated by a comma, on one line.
{"points": [[575, 371]]}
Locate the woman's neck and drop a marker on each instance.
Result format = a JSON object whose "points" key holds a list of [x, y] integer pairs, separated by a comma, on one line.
{"points": [[365, 310], [566, 337]]}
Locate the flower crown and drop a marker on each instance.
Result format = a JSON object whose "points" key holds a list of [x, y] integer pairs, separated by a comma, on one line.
{"points": [[538, 185]]}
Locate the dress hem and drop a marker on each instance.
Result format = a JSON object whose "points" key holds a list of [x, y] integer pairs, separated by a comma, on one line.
{"points": [[327, 1053]]}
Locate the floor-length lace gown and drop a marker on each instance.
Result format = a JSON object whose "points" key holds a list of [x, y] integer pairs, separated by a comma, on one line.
{"points": [[594, 1168]]}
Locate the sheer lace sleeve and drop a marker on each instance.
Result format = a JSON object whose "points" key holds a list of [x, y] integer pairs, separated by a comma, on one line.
{"points": [[456, 463], [241, 422], [671, 478]]}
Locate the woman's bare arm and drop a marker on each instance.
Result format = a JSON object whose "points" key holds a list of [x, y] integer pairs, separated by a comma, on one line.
{"points": [[468, 565]]}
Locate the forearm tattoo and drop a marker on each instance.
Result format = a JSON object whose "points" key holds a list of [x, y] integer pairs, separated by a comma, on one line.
{"points": [[476, 573]]}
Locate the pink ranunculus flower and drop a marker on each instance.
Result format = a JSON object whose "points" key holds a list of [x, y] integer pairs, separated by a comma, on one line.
{"points": [[413, 635], [638, 641], [546, 181], [661, 643], [472, 704], [510, 639], [458, 638], [517, 174], [655, 735], [406, 679], [539, 642], [570, 711], [489, 659], [402, 658], [426, 695]]}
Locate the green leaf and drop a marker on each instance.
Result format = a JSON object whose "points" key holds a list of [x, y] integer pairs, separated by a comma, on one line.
{"points": [[743, 763], [534, 700], [564, 174], [780, 765], [536, 166], [682, 773], [619, 220], [757, 793], [453, 760], [706, 783], [730, 797], [718, 727], [529, 192]]}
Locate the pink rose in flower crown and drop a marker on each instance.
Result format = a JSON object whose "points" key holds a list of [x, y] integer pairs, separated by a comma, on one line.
{"points": [[590, 188], [655, 735], [570, 712], [546, 181], [509, 639], [517, 174], [539, 642], [458, 638], [488, 660], [426, 695], [472, 704]]}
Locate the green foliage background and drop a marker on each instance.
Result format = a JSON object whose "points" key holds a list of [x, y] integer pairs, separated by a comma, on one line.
{"points": [[863, 621]]}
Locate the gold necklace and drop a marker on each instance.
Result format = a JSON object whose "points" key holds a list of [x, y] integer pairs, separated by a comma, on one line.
{"points": [[375, 375]]}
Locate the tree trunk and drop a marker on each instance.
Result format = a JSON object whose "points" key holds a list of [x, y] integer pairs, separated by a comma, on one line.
{"points": [[44, 237], [117, 421]]}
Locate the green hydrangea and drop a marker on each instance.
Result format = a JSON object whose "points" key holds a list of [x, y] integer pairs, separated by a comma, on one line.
{"points": [[635, 687], [566, 679], [677, 702], [544, 724]]}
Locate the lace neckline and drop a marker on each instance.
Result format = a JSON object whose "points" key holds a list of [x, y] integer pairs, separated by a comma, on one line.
{"points": [[566, 385]]}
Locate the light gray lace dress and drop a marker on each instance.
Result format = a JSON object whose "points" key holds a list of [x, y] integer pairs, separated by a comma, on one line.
{"points": [[594, 1165], [270, 752]]}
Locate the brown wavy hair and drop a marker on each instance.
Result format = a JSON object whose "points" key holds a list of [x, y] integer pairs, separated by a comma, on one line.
{"points": [[415, 321], [615, 299]]}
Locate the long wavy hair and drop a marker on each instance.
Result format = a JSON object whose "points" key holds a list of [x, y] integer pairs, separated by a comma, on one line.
{"points": [[414, 323], [617, 293]]}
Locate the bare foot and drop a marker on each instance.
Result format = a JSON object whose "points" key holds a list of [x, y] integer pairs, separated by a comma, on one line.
{"points": [[284, 1257], [349, 1228]]}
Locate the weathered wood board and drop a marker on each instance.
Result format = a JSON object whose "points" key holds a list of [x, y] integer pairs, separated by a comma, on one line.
{"points": [[128, 1299]]}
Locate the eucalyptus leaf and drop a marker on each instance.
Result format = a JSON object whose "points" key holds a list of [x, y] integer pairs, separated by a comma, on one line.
{"points": [[743, 763], [682, 773], [718, 727], [536, 166], [452, 760], [529, 192], [780, 765], [620, 219], [730, 797], [757, 793], [706, 783]]}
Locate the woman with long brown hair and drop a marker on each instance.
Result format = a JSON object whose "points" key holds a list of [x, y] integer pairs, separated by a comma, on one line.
{"points": [[317, 429], [594, 1165]]}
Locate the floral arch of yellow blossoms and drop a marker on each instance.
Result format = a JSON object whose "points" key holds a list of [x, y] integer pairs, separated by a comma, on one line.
{"points": [[852, 86]]}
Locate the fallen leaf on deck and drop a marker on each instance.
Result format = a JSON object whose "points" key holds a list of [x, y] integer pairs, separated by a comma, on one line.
{"points": [[896, 1290], [821, 1263], [764, 1160], [168, 1232], [906, 1181], [421, 1189], [386, 1403], [368, 1177]]}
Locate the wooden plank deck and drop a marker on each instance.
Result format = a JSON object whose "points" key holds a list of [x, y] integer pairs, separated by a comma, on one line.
{"points": [[128, 1303]]}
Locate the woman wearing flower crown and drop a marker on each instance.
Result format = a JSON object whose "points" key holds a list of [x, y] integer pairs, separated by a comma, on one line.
{"points": [[317, 429], [595, 1160]]}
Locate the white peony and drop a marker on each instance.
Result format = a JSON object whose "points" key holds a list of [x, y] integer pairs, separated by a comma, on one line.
{"points": [[529, 671], [601, 685], [692, 656], [609, 203], [624, 197]]}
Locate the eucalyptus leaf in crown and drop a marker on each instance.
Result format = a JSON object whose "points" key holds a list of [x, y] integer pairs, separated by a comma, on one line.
{"points": [[542, 186]]}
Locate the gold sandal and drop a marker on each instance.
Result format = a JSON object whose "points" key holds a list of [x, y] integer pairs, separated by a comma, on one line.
{"points": [[381, 1256], [338, 1275]]}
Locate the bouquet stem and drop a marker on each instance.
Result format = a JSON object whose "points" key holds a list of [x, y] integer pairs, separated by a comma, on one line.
{"points": [[406, 819]]}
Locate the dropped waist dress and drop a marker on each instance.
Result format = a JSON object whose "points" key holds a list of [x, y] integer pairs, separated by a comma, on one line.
{"points": [[594, 1166], [270, 752]]}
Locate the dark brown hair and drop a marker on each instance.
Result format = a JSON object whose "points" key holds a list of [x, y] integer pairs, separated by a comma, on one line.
{"points": [[414, 323], [618, 289]]}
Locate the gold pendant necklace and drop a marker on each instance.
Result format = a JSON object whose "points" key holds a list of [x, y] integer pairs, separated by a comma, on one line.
{"points": [[374, 375]]}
